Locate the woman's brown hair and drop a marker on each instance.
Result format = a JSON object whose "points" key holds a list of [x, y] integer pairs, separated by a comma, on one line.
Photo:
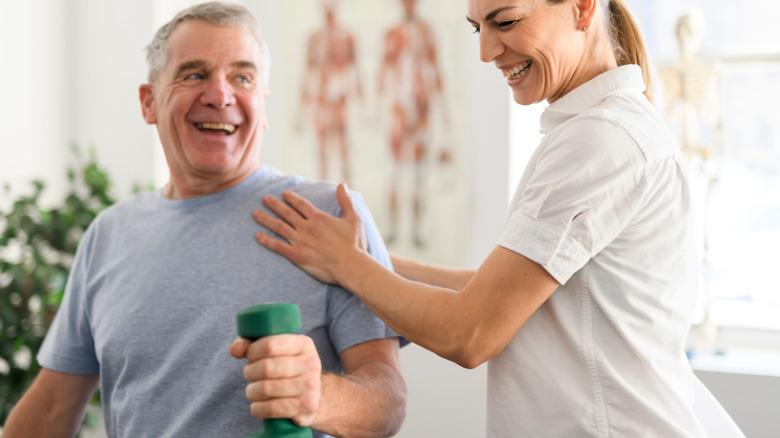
{"points": [[628, 42]]}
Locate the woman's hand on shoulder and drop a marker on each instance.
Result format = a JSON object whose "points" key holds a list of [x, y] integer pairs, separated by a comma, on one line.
{"points": [[319, 243]]}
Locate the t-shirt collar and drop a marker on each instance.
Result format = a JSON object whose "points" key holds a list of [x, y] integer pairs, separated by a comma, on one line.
{"points": [[591, 93]]}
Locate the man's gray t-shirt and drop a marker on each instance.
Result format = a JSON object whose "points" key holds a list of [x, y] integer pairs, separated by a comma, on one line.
{"points": [[152, 298]]}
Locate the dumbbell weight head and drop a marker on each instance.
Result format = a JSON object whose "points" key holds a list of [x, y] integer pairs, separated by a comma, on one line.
{"points": [[268, 320]]}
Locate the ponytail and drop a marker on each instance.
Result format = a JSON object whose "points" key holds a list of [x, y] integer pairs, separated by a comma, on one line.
{"points": [[628, 42]]}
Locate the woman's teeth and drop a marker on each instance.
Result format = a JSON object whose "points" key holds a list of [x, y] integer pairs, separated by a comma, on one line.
{"points": [[517, 72]]}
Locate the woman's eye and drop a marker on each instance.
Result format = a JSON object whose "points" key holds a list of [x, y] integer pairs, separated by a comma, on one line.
{"points": [[506, 24], [476, 29]]}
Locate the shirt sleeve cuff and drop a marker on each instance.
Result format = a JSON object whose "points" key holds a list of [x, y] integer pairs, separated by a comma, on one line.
{"points": [[551, 248]]}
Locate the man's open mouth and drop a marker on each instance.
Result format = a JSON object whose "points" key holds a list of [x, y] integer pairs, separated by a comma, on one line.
{"points": [[227, 128]]}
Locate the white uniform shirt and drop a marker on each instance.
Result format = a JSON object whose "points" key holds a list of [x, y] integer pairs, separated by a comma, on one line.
{"points": [[604, 206]]}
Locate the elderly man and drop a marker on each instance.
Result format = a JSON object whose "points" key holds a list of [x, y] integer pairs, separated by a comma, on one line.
{"points": [[149, 311]]}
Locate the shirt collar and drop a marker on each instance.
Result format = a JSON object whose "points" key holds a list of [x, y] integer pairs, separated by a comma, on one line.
{"points": [[587, 95]]}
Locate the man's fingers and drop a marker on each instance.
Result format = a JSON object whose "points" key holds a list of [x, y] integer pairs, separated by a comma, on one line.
{"points": [[285, 367], [277, 345], [268, 389], [284, 372], [239, 347]]}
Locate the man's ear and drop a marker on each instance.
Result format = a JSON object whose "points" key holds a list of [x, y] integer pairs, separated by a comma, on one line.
{"points": [[146, 95]]}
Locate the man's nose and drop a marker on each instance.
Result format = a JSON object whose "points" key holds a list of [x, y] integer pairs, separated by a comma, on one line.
{"points": [[219, 93]]}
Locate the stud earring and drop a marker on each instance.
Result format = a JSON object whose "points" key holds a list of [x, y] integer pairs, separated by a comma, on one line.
{"points": [[583, 28]]}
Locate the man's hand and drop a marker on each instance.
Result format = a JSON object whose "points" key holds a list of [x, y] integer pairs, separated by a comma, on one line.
{"points": [[284, 374]]}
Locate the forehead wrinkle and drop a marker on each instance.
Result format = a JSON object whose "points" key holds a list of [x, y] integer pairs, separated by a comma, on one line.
{"points": [[189, 65], [245, 65], [201, 64]]}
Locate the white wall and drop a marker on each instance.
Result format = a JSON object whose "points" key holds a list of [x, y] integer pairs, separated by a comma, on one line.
{"points": [[750, 398], [76, 69], [71, 71], [34, 74]]}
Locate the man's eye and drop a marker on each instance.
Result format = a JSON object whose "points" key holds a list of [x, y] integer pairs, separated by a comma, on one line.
{"points": [[244, 79], [194, 76]]}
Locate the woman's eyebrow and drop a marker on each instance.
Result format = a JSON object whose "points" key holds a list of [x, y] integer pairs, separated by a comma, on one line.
{"points": [[490, 15]]}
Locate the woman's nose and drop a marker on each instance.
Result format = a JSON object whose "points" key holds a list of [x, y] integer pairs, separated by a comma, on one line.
{"points": [[489, 46], [218, 93]]}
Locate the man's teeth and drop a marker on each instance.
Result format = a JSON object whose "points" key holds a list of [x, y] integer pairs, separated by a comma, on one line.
{"points": [[217, 127], [518, 71]]}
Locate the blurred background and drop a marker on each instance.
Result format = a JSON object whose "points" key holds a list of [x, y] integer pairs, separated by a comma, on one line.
{"points": [[71, 70]]}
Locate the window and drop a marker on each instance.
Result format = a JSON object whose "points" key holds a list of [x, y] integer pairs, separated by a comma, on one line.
{"points": [[731, 137]]}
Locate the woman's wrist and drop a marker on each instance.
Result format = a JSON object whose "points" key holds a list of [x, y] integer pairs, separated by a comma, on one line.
{"points": [[353, 270]]}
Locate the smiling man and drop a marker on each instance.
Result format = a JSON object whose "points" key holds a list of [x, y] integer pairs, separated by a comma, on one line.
{"points": [[149, 310], [208, 102]]}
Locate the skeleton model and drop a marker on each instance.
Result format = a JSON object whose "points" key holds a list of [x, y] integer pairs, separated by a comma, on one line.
{"points": [[690, 98], [409, 78], [689, 90]]}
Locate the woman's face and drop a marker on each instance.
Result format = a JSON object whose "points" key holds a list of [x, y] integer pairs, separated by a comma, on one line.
{"points": [[538, 46]]}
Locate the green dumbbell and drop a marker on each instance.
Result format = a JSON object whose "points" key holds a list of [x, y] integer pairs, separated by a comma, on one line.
{"points": [[266, 320]]}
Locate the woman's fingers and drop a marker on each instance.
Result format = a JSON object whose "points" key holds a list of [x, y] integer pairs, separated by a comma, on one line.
{"points": [[314, 240], [285, 211], [345, 202], [302, 206], [351, 215], [280, 227], [278, 246]]}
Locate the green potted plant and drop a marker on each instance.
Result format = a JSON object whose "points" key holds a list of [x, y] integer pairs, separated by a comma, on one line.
{"points": [[37, 247]]}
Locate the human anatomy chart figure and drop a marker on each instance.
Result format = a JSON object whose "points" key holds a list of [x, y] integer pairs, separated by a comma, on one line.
{"points": [[410, 79], [331, 79]]}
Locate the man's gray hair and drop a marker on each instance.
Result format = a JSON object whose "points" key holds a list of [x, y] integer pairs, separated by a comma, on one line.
{"points": [[218, 14]]}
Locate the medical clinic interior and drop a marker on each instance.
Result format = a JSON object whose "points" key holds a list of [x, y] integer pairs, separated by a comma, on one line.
{"points": [[72, 70]]}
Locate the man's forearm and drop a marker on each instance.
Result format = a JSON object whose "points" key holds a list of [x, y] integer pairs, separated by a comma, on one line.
{"points": [[28, 422], [53, 407], [370, 402]]}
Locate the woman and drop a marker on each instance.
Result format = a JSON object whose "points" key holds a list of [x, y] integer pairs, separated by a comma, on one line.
{"points": [[582, 309]]}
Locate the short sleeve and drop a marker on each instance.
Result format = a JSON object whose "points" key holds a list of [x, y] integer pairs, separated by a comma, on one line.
{"points": [[350, 321], [69, 346], [585, 186]]}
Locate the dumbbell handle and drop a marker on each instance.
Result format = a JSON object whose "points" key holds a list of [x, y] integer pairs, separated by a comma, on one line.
{"points": [[266, 320]]}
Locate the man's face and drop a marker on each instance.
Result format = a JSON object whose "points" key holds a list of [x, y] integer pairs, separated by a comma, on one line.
{"points": [[208, 103]]}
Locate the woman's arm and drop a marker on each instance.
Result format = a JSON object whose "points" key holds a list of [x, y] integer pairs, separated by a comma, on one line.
{"points": [[435, 275], [468, 327]]}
